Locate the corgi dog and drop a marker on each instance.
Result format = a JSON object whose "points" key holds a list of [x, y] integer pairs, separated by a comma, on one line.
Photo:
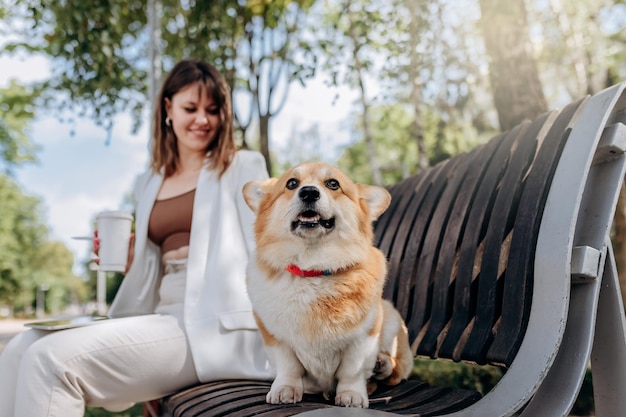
{"points": [[316, 287]]}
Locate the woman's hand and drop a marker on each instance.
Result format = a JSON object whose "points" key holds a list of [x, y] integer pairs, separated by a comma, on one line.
{"points": [[131, 249]]}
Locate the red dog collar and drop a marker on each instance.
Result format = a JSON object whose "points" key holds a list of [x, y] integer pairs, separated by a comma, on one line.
{"points": [[306, 274]]}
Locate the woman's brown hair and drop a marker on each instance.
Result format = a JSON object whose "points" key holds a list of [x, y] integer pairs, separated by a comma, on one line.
{"points": [[164, 146]]}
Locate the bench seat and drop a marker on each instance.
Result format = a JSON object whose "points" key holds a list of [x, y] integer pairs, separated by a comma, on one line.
{"points": [[247, 399]]}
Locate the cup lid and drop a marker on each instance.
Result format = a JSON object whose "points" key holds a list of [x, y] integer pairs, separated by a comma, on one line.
{"points": [[122, 214]]}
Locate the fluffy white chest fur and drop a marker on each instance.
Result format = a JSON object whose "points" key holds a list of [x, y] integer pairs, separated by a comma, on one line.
{"points": [[284, 306]]}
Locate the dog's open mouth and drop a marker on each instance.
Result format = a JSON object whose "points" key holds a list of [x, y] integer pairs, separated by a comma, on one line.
{"points": [[310, 219]]}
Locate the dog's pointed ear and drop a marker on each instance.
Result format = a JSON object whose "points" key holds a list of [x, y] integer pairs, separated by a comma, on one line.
{"points": [[377, 199], [254, 191]]}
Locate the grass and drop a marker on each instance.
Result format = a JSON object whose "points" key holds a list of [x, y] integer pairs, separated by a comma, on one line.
{"points": [[135, 411]]}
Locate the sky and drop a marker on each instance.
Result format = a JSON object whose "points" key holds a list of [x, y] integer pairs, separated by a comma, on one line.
{"points": [[78, 175]]}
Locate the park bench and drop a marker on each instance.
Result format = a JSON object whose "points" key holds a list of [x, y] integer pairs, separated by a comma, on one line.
{"points": [[501, 256]]}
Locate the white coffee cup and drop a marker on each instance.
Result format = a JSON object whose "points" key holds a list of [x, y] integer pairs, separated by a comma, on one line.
{"points": [[114, 236]]}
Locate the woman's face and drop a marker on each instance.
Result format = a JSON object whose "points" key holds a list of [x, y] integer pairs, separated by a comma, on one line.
{"points": [[195, 118]]}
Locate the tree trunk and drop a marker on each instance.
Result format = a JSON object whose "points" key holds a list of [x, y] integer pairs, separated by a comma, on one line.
{"points": [[264, 126], [416, 86], [515, 83], [377, 178], [574, 44], [154, 53], [154, 56], [369, 141]]}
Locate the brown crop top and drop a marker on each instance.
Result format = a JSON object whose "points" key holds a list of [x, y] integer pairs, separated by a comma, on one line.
{"points": [[170, 221]]}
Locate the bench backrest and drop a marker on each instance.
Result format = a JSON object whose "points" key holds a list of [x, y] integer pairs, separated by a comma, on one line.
{"points": [[460, 239]]}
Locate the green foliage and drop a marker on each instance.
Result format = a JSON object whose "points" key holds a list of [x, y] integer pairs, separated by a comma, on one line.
{"points": [[98, 48], [584, 405], [135, 411], [16, 111], [354, 28], [582, 45], [52, 266], [481, 378], [21, 233], [97, 63], [113, 283], [28, 259], [396, 147]]}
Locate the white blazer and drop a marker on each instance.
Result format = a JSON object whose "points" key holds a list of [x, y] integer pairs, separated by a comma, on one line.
{"points": [[224, 339]]}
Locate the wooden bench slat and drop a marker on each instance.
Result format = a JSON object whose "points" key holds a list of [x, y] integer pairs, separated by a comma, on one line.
{"points": [[394, 234], [417, 290], [464, 304], [186, 400], [443, 249], [447, 402], [408, 236], [518, 286], [233, 401], [448, 256], [417, 398], [403, 192], [409, 398], [444, 274], [498, 225], [284, 410]]}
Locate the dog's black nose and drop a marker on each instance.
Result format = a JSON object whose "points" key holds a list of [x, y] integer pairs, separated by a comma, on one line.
{"points": [[309, 194]]}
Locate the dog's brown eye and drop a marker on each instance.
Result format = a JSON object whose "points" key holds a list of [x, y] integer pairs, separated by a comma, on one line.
{"points": [[292, 183], [332, 184]]}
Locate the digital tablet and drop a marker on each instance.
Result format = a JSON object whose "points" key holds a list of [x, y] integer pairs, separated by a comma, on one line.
{"points": [[69, 323]]}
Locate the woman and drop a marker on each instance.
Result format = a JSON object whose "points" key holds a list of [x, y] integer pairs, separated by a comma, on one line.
{"points": [[193, 238]]}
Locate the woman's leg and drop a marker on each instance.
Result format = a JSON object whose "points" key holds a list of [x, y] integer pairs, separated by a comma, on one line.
{"points": [[10, 360], [112, 364]]}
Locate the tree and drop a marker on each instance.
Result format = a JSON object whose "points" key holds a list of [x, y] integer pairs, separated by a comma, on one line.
{"points": [[392, 133], [390, 130], [272, 63], [252, 43], [352, 39], [433, 64], [101, 68], [517, 90], [20, 227], [16, 111], [426, 55], [580, 49], [21, 233], [303, 145], [52, 266], [416, 23]]}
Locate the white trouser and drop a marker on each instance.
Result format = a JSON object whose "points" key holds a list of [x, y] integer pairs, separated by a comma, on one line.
{"points": [[111, 364]]}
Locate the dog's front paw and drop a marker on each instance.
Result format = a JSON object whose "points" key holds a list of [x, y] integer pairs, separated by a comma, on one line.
{"points": [[284, 394], [351, 399]]}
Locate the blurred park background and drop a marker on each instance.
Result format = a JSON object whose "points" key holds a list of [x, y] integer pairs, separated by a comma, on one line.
{"points": [[413, 81]]}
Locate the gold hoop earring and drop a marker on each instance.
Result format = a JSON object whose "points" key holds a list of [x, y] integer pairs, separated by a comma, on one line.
{"points": [[168, 121]]}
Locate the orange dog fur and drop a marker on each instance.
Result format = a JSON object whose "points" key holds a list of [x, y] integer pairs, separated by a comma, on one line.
{"points": [[329, 330]]}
